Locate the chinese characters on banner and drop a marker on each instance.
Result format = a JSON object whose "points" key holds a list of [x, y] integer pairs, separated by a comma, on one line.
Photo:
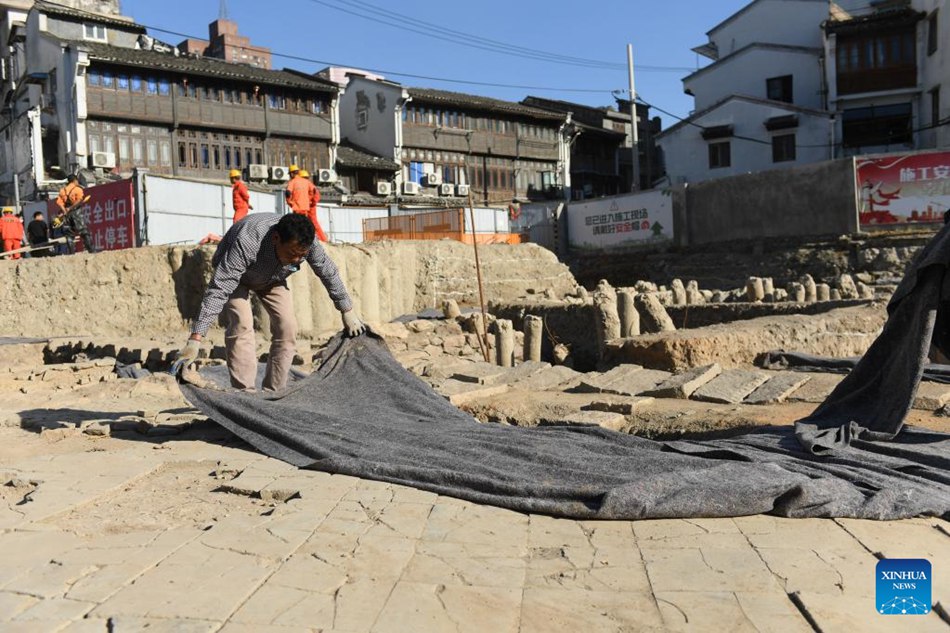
{"points": [[626, 221], [903, 188], [110, 216]]}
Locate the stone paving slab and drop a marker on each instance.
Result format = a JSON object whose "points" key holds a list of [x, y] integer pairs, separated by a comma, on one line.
{"points": [[931, 395], [458, 392], [923, 538], [683, 385], [556, 377], [489, 374], [817, 389], [731, 387], [624, 380], [604, 419], [778, 388]]}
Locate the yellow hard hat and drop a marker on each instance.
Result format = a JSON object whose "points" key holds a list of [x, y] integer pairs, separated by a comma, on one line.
{"points": [[304, 173], [234, 173], [8, 209], [293, 168]]}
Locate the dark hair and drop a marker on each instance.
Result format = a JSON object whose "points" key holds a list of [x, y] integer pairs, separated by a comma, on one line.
{"points": [[71, 178], [295, 227], [946, 217], [38, 214]]}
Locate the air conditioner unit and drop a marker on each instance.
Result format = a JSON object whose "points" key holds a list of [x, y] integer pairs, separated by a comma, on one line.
{"points": [[257, 172], [327, 176], [384, 188], [446, 190], [411, 188], [279, 173], [433, 180], [105, 160], [462, 190]]}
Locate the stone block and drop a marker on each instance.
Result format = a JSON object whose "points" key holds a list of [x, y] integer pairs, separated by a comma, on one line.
{"points": [[817, 389], [684, 384], [931, 396], [458, 392], [557, 377], [731, 387], [778, 388], [604, 419], [624, 380]]}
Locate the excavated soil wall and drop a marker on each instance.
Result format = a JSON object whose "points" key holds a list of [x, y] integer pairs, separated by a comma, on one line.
{"points": [[729, 265], [158, 289]]}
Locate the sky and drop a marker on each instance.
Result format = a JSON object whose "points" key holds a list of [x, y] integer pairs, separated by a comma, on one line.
{"points": [[425, 38]]}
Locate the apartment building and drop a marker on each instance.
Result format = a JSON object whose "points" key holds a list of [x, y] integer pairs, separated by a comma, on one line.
{"points": [[450, 144], [93, 91], [800, 81]]}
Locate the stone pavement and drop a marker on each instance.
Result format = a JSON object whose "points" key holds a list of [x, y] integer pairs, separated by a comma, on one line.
{"points": [[199, 533]]}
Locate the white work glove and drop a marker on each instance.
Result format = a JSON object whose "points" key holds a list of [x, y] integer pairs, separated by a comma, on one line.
{"points": [[186, 356], [352, 324]]}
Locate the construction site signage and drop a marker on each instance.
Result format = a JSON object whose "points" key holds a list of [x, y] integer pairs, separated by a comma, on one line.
{"points": [[903, 188], [110, 215], [628, 221]]}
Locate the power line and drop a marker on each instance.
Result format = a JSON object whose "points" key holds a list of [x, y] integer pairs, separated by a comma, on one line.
{"points": [[367, 11], [923, 128], [380, 71]]}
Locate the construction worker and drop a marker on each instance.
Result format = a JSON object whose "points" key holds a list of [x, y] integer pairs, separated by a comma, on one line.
{"points": [[71, 217], [297, 192], [240, 197], [258, 255], [11, 231], [314, 196]]}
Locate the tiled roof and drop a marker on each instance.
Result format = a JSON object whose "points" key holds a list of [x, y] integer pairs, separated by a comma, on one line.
{"points": [[199, 66], [350, 155], [462, 99], [51, 8]]}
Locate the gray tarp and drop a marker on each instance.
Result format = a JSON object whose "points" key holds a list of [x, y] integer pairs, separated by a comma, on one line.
{"points": [[363, 414]]}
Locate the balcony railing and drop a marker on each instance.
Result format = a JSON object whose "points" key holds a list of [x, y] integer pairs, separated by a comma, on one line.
{"points": [[877, 79]]}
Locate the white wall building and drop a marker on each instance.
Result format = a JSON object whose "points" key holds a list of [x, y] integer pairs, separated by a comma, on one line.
{"points": [[800, 81], [760, 103]]}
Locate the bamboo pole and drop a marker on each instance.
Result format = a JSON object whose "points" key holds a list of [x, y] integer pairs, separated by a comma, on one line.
{"points": [[481, 289]]}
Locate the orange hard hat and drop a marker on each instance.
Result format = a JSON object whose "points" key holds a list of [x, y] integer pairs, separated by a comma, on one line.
{"points": [[234, 173], [304, 173], [293, 168]]}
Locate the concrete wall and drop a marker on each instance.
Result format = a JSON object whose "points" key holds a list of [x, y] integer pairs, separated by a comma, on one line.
{"points": [[155, 290], [816, 199]]}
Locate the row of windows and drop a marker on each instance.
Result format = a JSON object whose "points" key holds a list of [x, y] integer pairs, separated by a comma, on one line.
{"points": [[497, 177], [783, 150], [420, 115], [147, 146], [872, 52], [276, 100]]}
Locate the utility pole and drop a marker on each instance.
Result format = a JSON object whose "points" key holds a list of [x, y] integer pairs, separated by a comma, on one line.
{"points": [[634, 149]]}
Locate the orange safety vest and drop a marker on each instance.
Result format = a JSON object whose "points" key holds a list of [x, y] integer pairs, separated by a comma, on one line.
{"points": [[68, 196], [241, 198], [298, 194], [11, 228]]}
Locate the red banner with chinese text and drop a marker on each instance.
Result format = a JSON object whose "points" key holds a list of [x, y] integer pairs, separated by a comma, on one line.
{"points": [[903, 188], [110, 215]]}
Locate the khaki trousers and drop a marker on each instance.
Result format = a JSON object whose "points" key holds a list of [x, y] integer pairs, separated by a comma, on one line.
{"points": [[239, 336]]}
